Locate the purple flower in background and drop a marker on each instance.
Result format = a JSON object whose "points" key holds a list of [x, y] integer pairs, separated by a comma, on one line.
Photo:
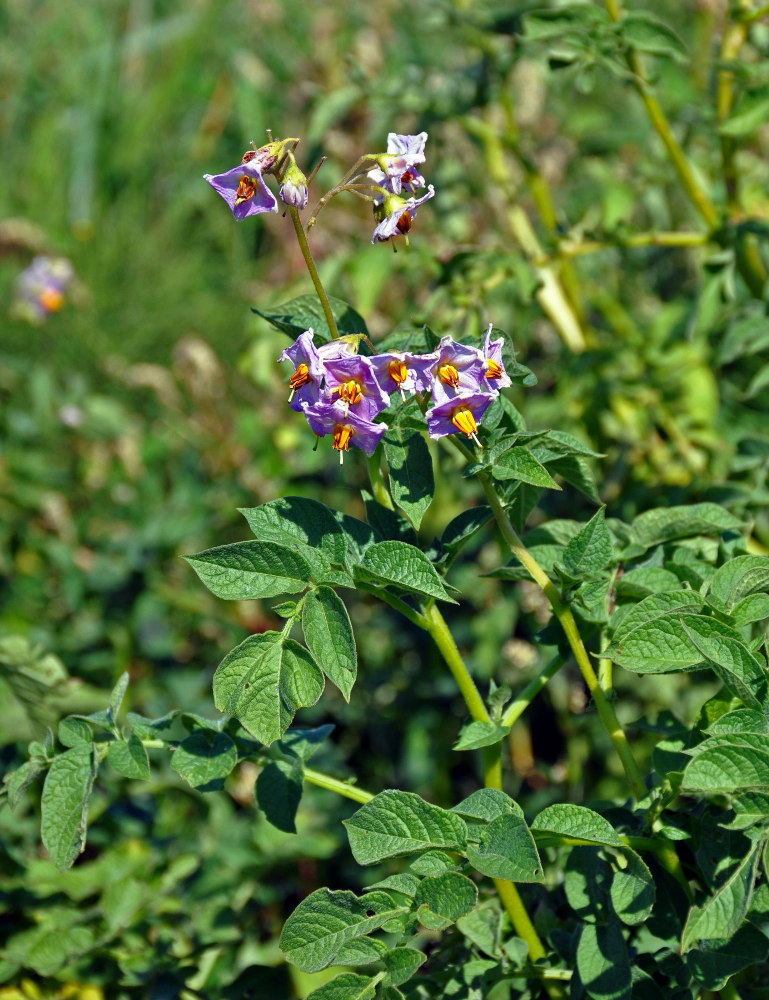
{"points": [[462, 413], [397, 167], [496, 375], [402, 371], [244, 190], [353, 381], [347, 426], [41, 287], [396, 215], [456, 370], [305, 382]]}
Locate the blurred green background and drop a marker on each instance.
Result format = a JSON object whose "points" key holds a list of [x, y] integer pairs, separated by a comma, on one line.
{"points": [[134, 422]]}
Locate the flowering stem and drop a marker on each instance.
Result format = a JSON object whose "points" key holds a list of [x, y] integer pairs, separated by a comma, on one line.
{"points": [[334, 785], [568, 624], [304, 246], [352, 173]]}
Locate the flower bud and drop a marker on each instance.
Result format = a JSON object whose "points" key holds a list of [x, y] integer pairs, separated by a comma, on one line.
{"points": [[293, 189]]}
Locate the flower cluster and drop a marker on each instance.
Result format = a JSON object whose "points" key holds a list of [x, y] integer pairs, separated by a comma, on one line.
{"points": [[41, 288], [392, 184], [397, 178], [342, 393]]}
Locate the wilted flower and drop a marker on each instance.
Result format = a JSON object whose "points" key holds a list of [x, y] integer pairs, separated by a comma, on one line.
{"points": [[265, 157], [41, 287], [305, 382], [346, 426], [456, 370], [396, 215], [397, 167], [353, 381], [244, 190], [462, 413], [496, 375]]}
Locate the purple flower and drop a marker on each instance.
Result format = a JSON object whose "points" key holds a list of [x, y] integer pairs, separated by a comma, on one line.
{"points": [[244, 190], [41, 287], [456, 370], [305, 382], [396, 215], [347, 426], [397, 167], [402, 371], [462, 413], [342, 347], [353, 381], [496, 376]]}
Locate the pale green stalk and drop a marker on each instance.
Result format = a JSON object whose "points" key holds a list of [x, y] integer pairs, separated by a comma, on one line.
{"points": [[334, 785], [521, 702], [304, 246]]}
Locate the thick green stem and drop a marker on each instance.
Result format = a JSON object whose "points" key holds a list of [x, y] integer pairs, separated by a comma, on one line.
{"points": [[304, 246], [568, 624], [334, 785]]}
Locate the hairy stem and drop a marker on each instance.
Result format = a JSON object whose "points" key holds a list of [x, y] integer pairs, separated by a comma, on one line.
{"points": [[568, 624], [304, 246], [334, 785]]}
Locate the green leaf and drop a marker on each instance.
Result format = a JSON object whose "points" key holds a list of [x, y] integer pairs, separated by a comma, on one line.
{"points": [[664, 524], [475, 735], [590, 549], [603, 963], [360, 951], [718, 960], [632, 890], [657, 606], [129, 758], [303, 743], [578, 824], [309, 528], [462, 528], [117, 695], [403, 566], [411, 472], [507, 850], [329, 636], [752, 609], [244, 571], [204, 759], [742, 720], [587, 883], [646, 580], [74, 731], [728, 770], [278, 793], [18, 781], [738, 579], [521, 465], [483, 928], [433, 863], [305, 312], [64, 804], [395, 824], [48, 948], [751, 114], [348, 986], [401, 964], [729, 657], [487, 804], [324, 921], [646, 33], [722, 914], [263, 681], [442, 899], [576, 471]]}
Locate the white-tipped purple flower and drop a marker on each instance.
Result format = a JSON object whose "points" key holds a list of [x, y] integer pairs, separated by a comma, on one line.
{"points": [[347, 427], [353, 381], [396, 215], [496, 376], [41, 287], [305, 382], [244, 190], [402, 371], [293, 188], [462, 413], [456, 370], [342, 347], [396, 168]]}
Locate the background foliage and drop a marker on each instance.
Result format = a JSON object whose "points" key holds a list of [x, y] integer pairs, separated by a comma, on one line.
{"points": [[138, 419]]}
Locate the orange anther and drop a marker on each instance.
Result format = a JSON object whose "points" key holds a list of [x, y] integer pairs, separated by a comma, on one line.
{"points": [[449, 375]]}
